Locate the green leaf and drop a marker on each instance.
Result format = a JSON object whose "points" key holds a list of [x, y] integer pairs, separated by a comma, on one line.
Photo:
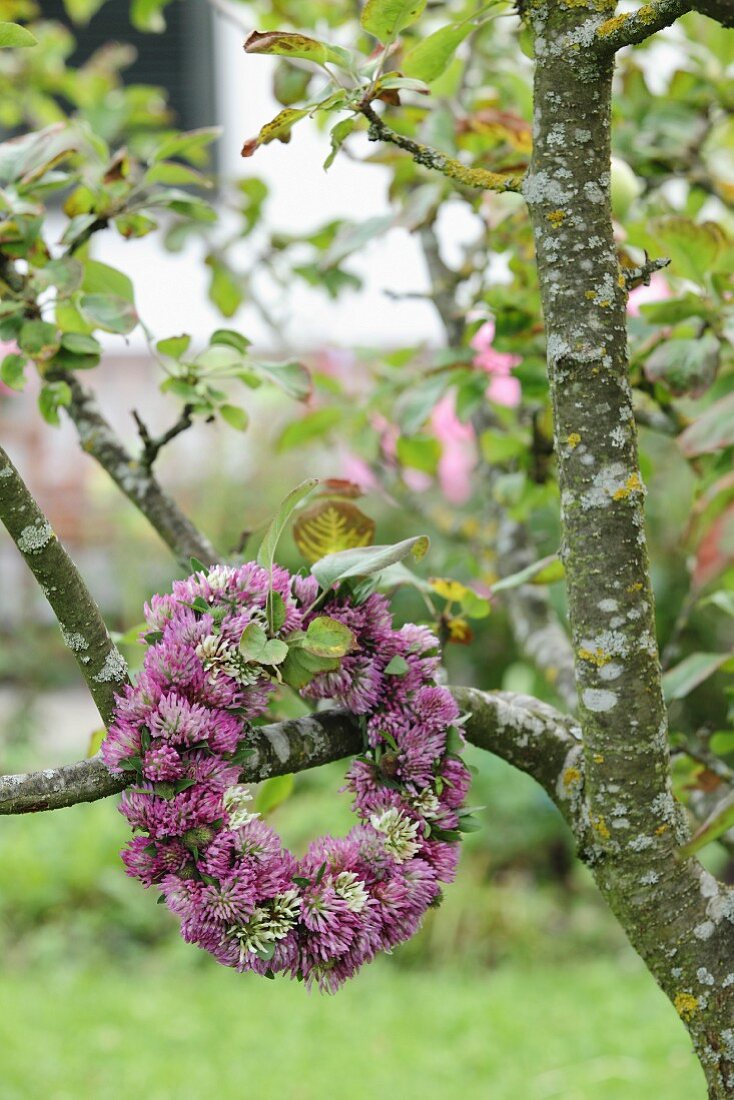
{"points": [[109, 312], [226, 288], [273, 792], [692, 671], [300, 666], [268, 546], [419, 452], [81, 11], [545, 571], [718, 823], [497, 447], [673, 310], [293, 378], [65, 274], [39, 339], [338, 135], [12, 35], [255, 646], [229, 338], [313, 426], [173, 174], [685, 366], [723, 600], [12, 371], [147, 15], [290, 44], [189, 145], [278, 129], [327, 637], [712, 431], [398, 666], [364, 561], [235, 416], [386, 18], [432, 55], [52, 397], [100, 278], [174, 346], [79, 343], [693, 248], [276, 610]]}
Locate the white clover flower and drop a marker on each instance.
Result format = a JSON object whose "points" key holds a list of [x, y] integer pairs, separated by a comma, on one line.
{"points": [[427, 804], [235, 800], [218, 577], [268, 924], [352, 890], [218, 655], [400, 833]]}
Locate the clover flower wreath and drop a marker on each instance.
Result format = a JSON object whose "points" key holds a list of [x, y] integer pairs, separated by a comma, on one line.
{"points": [[217, 646]]}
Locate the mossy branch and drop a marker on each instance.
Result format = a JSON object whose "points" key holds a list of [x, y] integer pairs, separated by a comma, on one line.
{"points": [[82, 627], [528, 734], [479, 178], [631, 28]]}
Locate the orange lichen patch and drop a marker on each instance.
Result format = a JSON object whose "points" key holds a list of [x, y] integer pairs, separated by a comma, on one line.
{"points": [[686, 1005], [573, 440], [605, 303], [589, 294], [571, 776], [632, 485], [661, 829], [556, 218], [600, 826], [609, 26], [595, 657], [621, 281], [636, 587]]}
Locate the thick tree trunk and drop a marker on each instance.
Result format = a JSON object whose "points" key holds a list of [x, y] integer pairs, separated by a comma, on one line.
{"points": [[677, 917]]}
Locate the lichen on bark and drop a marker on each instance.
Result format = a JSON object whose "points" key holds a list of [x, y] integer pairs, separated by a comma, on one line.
{"points": [[679, 919]]}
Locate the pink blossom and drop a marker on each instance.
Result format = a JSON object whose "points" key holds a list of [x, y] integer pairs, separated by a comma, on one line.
{"points": [[459, 452], [503, 388]]}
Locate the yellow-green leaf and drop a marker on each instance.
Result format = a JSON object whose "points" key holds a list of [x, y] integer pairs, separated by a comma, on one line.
{"points": [[332, 525], [386, 18]]}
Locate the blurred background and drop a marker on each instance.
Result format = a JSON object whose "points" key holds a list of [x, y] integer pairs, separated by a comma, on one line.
{"points": [[521, 986]]}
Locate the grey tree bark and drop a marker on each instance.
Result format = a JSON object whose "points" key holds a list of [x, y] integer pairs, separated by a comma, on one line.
{"points": [[679, 919]]}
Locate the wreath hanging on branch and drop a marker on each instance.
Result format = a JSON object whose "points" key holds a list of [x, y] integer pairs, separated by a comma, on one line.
{"points": [[217, 647]]}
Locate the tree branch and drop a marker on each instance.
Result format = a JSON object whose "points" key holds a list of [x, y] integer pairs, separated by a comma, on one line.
{"points": [[82, 627], [631, 28], [440, 162], [139, 485], [521, 730], [153, 445]]}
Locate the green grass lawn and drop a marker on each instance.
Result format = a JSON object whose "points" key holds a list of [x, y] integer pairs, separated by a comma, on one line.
{"points": [[162, 1028]]}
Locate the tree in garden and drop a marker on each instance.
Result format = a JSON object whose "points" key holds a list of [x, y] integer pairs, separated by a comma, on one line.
{"points": [[598, 231]]}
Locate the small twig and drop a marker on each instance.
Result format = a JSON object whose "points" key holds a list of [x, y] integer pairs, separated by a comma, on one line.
{"points": [[82, 626], [479, 178], [640, 276], [153, 446]]}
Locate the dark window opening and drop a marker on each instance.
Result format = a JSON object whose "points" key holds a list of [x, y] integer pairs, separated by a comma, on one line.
{"points": [[179, 60]]}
